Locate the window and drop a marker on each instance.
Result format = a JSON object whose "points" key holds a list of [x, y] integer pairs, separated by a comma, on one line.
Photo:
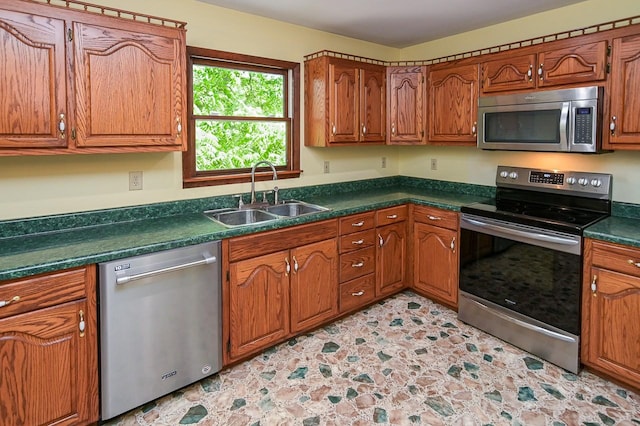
{"points": [[241, 110]]}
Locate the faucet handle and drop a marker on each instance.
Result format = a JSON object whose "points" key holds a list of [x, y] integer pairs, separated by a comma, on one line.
{"points": [[275, 195], [240, 202], [264, 196]]}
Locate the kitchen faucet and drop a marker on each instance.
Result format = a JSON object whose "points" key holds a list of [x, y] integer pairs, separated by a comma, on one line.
{"points": [[253, 177]]}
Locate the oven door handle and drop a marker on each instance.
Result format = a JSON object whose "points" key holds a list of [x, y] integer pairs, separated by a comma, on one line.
{"points": [[521, 323], [524, 234]]}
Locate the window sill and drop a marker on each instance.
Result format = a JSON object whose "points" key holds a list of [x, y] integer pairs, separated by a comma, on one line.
{"points": [[199, 181]]}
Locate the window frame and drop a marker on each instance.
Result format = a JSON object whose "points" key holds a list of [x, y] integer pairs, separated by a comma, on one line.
{"points": [[191, 177]]}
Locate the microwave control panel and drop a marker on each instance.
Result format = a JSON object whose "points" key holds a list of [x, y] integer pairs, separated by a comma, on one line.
{"points": [[583, 125]]}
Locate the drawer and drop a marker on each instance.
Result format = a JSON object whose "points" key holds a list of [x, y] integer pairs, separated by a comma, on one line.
{"points": [[357, 293], [357, 263], [41, 291], [391, 215], [436, 217], [357, 240], [616, 258], [357, 222]]}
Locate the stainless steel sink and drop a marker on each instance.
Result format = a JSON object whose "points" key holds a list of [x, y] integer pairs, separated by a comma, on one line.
{"points": [[295, 208], [236, 217]]}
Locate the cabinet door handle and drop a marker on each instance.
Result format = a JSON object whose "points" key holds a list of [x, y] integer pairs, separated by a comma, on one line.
{"points": [[540, 72], [295, 264], [433, 217], [288, 267], [179, 126], [359, 242], [364, 129], [453, 244], [358, 293], [530, 72], [594, 286], [392, 216], [380, 240], [612, 125], [81, 324], [333, 129], [62, 126], [633, 262], [358, 224], [393, 129], [474, 128], [359, 264], [14, 299]]}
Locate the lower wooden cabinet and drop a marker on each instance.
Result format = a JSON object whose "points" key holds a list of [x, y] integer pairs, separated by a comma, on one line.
{"points": [[391, 258], [48, 349], [272, 296], [435, 254], [611, 311]]}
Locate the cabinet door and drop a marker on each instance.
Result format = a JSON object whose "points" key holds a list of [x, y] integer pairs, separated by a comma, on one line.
{"points": [[314, 284], [582, 63], [373, 115], [258, 303], [344, 119], [406, 93], [44, 360], [436, 262], [625, 93], [129, 88], [453, 105], [512, 73], [613, 330], [391, 258], [33, 84]]}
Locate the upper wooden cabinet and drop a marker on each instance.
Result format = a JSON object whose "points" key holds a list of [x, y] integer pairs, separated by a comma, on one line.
{"points": [[453, 105], [406, 105], [78, 81], [623, 121], [549, 66], [344, 102]]}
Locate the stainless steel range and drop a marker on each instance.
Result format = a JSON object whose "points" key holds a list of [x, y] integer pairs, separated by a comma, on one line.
{"points": [[521, 258]]}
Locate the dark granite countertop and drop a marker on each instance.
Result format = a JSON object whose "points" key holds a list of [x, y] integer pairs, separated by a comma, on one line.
{"points": [[621, 230], [38, 252]]}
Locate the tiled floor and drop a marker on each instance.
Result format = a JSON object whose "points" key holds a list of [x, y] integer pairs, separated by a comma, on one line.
{"points": [[404, 361]]}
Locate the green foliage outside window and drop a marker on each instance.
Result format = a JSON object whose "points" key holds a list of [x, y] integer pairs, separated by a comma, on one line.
{"points": [[240, 118]]}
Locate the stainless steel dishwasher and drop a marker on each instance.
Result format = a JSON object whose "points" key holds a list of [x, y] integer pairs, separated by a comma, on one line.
{"points": [[160, 324]]}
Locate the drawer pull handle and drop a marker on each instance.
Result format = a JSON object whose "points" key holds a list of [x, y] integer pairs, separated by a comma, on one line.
{"points": [[392, 216], [433, 217], [358, 224], [358, 293], [81, 324], [359, 242], [10, 301], [358, 265], [633, 262]]}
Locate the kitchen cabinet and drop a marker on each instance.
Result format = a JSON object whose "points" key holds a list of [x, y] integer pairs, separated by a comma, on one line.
{"points": [[391, 250], [435, 254], [453, 105], [71, 75], [611, 310], [48, 349], [623, 121], [406, 105], [279, 283], [549, 65], [344, 102]]}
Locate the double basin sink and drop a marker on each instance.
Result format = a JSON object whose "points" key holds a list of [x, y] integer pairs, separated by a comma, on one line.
{"points": [[231, 217]]}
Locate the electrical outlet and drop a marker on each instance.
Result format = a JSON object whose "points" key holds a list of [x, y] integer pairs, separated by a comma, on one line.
{"points": [[383, 162], [326, 167], [434, 164], [135, 181]]}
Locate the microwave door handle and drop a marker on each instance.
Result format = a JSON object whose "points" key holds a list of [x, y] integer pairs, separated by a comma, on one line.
{"points": [[565, 126]]}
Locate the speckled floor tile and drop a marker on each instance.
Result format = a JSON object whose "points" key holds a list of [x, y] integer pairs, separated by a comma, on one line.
{"points": [[403, 361]]}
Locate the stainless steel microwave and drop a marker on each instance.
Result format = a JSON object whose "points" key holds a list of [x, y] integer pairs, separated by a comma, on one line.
{"points": [[568, 120]]}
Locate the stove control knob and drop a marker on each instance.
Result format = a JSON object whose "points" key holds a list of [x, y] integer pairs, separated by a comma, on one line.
{"points": [[583, 181], [596, 183], [571, 180], [513, 175], [504, 174]]}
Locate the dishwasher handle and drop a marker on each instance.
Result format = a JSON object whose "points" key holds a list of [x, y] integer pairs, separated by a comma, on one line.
{"points": [[208, 259]]}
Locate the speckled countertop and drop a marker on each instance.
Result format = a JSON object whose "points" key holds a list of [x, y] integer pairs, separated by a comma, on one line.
{"points": [[37, 245]]}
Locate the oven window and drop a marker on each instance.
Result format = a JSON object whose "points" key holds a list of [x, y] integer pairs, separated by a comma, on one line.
{"points": [[542, 126], [535, 281]]}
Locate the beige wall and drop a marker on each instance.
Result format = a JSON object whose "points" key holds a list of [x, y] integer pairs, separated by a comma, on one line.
{"points": [[35, 186]]}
